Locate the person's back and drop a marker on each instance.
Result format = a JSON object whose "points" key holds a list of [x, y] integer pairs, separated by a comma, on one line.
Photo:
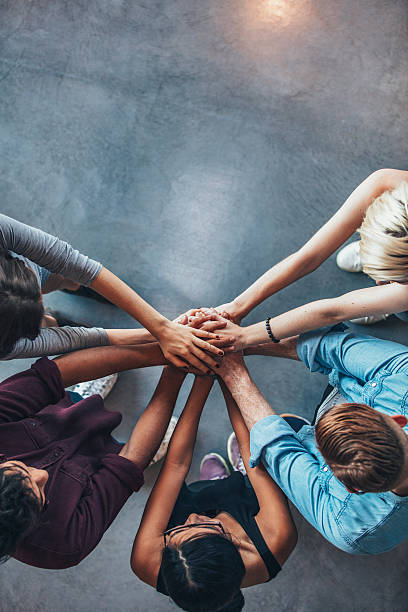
{"points": [[363, 368], [358, 524]]}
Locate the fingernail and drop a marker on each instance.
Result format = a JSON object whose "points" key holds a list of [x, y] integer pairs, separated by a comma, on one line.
{"points": [[221, 352]]}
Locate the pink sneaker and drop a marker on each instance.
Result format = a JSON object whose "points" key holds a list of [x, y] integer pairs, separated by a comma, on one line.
{"points": [[234, 455], [213, 467]]}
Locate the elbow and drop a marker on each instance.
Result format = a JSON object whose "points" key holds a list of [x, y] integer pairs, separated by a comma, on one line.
{"points": [[138, 564], [134, 566], [289, 539], [331, 311], [306, 261], [292, 539]]}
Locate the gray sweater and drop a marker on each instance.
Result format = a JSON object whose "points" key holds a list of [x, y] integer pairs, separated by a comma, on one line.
{"points": [[38, 248]]}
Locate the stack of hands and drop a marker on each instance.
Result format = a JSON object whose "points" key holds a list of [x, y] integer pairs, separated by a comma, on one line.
{"points": [[220, 323]]}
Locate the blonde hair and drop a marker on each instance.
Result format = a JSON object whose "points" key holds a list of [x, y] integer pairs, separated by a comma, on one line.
{"points": [[384, 236]]}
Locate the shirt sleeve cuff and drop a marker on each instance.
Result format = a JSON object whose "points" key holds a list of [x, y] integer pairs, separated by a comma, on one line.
{"points": [[308, 346], [263, 433], [127, 471], [48, 371]]}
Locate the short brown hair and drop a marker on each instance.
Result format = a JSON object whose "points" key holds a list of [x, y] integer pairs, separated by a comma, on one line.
{"points": [[362, 450]]}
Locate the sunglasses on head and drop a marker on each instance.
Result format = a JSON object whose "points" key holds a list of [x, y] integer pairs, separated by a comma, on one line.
{"points": [[204, 524]]}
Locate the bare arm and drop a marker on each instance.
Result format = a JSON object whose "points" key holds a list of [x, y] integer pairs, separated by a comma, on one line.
{"points": [[274, 518], [129, 336], [326, 240], [152, 424], [372, 300], [251, 403], [180, 344], [148, 544], [92, 363]]}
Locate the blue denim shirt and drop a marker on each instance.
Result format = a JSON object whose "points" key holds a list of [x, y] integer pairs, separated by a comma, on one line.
{"points": [[367, 370]]}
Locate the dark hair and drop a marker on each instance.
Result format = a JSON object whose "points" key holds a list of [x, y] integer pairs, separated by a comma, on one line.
{"points": [[21, 308], [360, 447], [19, 511], [204, 574]]}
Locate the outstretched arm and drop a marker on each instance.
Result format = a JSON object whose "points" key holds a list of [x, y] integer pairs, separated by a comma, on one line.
{"points": [[101, 361], [180, 344], [148, 544], [326, 240], [250, 401], [380, 299], [152, 424], [274, 518]]}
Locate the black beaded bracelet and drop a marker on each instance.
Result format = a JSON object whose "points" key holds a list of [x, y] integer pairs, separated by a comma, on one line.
{"points": [[270, 334]]}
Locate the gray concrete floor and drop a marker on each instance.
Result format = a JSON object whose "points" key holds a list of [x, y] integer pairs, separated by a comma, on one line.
{"points": [[188, 146]]}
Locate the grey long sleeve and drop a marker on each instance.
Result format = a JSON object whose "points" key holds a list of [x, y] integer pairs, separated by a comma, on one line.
{"points": [[58, 340], [47, 251]]}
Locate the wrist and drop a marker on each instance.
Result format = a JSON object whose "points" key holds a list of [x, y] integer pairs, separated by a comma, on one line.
{"points": [[241, 307], [172, 374], [234, 374], [242, 338], [162, 328]]}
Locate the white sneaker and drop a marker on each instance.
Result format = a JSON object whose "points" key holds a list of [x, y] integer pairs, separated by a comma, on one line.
{"points": [[102, 386], [348, 258], [162, 450], [370, 320]]}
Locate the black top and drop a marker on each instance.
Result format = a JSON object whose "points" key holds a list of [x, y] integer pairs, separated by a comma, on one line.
{"points": [[234, 495]]}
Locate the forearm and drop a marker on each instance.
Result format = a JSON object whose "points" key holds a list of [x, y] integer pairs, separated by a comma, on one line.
{"points": [[129, 336], [320, 313], [120, 294], [281, 275], [238, 424], [251, 403], [152, 424], [101, 361], [286, 348], [180, 451]]}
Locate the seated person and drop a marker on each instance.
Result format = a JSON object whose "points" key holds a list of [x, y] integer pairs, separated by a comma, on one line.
{"points": [[63, 478], [33, 262], [360, 446], [201, 543], [378, 210]]}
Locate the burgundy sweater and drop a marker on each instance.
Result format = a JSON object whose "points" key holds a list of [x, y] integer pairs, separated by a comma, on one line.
{"points": [[88, 481]]}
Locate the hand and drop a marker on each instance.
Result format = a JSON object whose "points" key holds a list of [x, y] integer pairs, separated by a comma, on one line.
{"points": [[230, 334], [184, 318], [183, 345], [207, 319]]}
